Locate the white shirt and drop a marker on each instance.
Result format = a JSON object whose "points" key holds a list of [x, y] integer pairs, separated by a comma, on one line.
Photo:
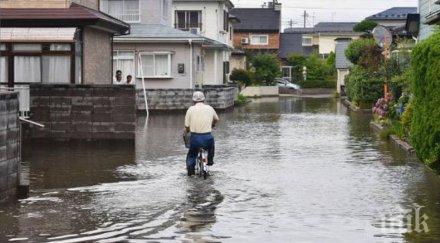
{"points": [[199, 118]]}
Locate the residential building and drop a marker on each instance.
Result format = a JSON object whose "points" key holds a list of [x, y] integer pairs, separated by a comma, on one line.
{"points": [[154, 52], [429, 17], [319, 39], [56, 41], [211, 20], [393, 17], [342, 63], [259, 28]]}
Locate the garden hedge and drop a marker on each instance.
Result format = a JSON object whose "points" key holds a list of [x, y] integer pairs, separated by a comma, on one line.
{"points": [[363, 87], [425, 125]]}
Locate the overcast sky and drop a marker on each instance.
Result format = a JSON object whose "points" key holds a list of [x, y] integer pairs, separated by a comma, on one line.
{"points": [[329, 10]]}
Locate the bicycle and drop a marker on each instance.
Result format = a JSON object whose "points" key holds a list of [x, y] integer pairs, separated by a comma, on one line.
{"points": [[202, 164]]}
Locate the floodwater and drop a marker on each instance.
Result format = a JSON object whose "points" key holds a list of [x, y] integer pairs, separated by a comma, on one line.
{"points": [[287, 170]]}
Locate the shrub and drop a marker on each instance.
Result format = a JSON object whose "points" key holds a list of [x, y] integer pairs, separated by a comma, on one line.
{"points": [[241, 100], [406, 118], [311, 84], [363, 87], [267, 68], [425, 125], [356, 48], [241, 76], [365, 26]]}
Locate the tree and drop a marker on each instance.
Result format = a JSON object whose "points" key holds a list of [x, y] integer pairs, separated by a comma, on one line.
{"points": [[267, 68], [365, 26], [297, 62], [241, 76], [357, 48]]}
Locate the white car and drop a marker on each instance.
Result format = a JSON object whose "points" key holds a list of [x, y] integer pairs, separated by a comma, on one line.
{"points": [[287, 84]]}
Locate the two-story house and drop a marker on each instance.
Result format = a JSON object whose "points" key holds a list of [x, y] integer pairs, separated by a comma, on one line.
{"points": [[259, 28], [429, 17], [212, 20], [393, 17], [154, 52]]}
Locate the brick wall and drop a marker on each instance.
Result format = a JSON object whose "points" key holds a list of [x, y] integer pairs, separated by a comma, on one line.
{"points": [[83, 112], [219, 97], [274, 41], [9, 145]]}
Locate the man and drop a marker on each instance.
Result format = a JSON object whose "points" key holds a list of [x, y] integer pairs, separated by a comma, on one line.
{"points": [[199, 120], [118, 77], [129, 79]]}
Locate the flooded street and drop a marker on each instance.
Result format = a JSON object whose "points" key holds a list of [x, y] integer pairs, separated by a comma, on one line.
{"points": [[287, 170]]}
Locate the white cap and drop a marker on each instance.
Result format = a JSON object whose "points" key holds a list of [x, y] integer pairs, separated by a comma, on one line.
{"points": [[198, 96]]}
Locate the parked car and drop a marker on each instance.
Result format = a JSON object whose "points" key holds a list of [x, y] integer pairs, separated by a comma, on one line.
{"points": [[285, 83]]}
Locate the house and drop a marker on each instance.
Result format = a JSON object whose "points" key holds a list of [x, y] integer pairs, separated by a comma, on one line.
{"points": [[56, 42], [154, 52], [393, 17], [58, 55], [213, 21], [259, 28], [342, 63], [320, 39], [297, 41], [429, 17]]}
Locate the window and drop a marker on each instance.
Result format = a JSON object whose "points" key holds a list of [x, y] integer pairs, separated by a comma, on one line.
{"points": [[123, 61], [155, 65], [165, 9], [186, 20], [39, 63], [307, 41], [259, 40], [125, 10], [286, 71], [225, 21], [200, 67], [3, 66]]}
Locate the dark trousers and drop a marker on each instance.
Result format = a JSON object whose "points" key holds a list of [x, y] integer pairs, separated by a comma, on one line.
{"points": [[198, 141]]}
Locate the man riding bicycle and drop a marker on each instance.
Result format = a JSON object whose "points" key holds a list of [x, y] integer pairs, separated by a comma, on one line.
{"points": [[199, 120]]}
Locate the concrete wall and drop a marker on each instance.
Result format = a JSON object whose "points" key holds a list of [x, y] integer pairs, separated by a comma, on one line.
{"points": [[237, 62], [342, 73], [181, 99], [9, 145], [84, 112], [180, 53], [327, 44], [260, 91], [98, 57]]}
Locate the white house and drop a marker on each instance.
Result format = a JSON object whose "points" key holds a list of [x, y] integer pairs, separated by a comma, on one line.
{"points": [[211, 20]]}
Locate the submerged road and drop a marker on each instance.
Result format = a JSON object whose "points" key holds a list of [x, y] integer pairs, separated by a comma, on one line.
{"points": [[287, 170]]}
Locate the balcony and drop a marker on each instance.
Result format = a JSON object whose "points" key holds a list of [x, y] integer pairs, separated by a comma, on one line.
{"points": [[434, 15]]}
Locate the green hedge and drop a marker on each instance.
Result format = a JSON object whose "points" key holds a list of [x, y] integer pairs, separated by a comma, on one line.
{"points": [[363, 87], [310, 84], [425, 125]]}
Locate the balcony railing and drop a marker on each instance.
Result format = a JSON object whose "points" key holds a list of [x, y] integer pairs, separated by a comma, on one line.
{"points": [[128, 17]]}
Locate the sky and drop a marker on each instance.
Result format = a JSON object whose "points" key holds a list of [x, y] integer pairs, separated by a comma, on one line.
{"points": [[328, 10]]}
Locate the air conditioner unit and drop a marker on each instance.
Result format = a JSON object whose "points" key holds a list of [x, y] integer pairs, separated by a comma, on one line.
{"points": [[245, 41], [194, 31]]}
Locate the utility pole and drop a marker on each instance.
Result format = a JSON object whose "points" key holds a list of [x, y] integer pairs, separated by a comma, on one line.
{"points": [[306, 15], [291, 23]]}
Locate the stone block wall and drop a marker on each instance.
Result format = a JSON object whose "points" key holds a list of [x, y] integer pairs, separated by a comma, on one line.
{"points": [[83, 112], [10, 143], [219, 97]]}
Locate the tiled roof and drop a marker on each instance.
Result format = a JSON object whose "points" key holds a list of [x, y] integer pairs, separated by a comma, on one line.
{"points": [[15, 17], [257, 19], [325, 27], [158, 31], [396, 13]]}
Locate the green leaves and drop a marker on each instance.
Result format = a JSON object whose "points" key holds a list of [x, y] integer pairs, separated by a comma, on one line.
{"points": [[425, 125]]}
